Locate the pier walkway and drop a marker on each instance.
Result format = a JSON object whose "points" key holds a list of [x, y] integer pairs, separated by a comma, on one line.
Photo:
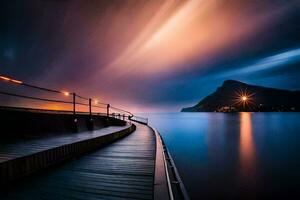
{"points": [[121, 170], [14, 150], [125, 160]]}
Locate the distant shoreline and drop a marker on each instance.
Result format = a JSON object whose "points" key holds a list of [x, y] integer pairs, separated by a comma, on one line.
{"points": [[235, 96]]}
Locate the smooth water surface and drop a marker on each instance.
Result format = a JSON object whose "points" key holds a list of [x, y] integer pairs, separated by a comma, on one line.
{"points": [[234, 156]]}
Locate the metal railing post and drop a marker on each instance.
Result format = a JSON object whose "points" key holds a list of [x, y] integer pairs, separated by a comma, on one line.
{"points": [[74, 113], [90, 106], [116, 112], [91, 121], [74, 104], [107, 110]]}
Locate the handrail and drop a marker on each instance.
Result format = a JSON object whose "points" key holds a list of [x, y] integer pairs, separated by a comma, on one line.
{"points": [[170, 165], [81, 97], [176, 174], [38, 87], [39, 110], [139, 119], [120, 111], [168, 177], [35, 98]]}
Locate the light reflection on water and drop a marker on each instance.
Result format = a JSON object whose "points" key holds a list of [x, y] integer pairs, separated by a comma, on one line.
{"points": [[234, 156], [247, 149]]}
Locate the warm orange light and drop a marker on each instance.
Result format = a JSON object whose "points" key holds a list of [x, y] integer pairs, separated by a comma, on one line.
{"points": [[66, 93], [96, 101], [11, 80], [247, 153], [5, 78], [16, 81], [244, 98]]}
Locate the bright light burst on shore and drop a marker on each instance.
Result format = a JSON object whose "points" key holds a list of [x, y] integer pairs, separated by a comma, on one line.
{"points": [[244, 98]]}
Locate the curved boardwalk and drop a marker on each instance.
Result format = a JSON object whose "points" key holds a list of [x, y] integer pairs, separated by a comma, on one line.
{"points": [[122, 170], [13, 150]]}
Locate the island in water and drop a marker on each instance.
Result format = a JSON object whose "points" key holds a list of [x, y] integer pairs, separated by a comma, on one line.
{"points": [[236, 96]]}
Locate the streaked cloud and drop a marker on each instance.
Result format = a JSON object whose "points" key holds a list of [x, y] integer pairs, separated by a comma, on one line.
{"points": [[146, 55], [193, 32], [268, 63]]}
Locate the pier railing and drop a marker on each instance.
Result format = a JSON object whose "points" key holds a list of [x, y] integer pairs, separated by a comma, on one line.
{"points": [[77, 104], [142, 120]]}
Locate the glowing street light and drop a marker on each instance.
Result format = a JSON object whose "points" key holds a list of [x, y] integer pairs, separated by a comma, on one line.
{"points": [[10, 80], [66, 93], [244, 98], [5, 78], [16, 81]]}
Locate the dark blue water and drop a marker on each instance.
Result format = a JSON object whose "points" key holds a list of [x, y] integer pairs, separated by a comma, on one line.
{"points": [[234, 156]]}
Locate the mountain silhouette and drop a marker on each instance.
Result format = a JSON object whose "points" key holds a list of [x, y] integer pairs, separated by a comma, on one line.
{"points": [[238, 96]]}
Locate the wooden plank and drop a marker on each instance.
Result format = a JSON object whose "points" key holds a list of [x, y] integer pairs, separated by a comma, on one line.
{"points": [[23, 148], [28, 163], [122, 170]]}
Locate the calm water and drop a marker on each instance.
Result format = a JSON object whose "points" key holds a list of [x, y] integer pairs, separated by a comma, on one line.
{"points": [[234, 156]]}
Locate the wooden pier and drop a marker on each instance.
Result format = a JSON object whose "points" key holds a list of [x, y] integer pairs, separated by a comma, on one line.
{"points": [[115, 162], [105, 153]]}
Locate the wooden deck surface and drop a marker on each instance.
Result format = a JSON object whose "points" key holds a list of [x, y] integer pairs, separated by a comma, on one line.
{"points": [[22, 148], [121, 170]]}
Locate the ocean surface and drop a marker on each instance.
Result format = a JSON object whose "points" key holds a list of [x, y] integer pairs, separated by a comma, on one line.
{"points": [[234, 156]]}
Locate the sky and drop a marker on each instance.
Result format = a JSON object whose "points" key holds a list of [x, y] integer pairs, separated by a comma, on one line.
{"points": [[150, 56]]}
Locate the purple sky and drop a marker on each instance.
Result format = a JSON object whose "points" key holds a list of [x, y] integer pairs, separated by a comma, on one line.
{"points": [[150, 56]]}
